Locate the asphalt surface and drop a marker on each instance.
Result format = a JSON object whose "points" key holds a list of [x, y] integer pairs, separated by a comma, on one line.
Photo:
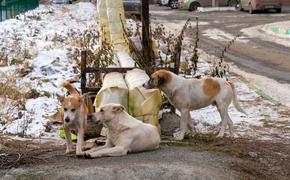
{"points": [[169, 162], [256, 56]]}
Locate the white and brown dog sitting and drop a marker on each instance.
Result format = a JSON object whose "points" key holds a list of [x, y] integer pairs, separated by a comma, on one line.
{"points": [[125, 133], [191, 94], [74, 114]]}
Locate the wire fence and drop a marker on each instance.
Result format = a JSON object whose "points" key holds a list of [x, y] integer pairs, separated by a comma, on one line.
{"points": [[11, 8]]}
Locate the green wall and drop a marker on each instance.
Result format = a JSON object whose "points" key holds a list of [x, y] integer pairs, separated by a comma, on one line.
{"points": [[10, 8]]}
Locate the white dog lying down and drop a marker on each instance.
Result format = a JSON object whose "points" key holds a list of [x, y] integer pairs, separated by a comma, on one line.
{"points": [[191, 94], [125, 133]]}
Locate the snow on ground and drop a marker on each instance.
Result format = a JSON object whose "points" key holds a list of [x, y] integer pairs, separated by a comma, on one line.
{"points": [[34, 118], [264, 120], [46, 33], [263, 32], [280, 29], [220, 35], [175, 26], [214, 9], [49, 33]]}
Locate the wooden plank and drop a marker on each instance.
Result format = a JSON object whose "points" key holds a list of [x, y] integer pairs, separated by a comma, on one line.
{"points": [[121, 70], [90, 89], [83, 70], [107, 70]]}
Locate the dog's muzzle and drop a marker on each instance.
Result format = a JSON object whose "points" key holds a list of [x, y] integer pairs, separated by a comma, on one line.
{"points": [[92, 117], [67, 119], [148, 85]]}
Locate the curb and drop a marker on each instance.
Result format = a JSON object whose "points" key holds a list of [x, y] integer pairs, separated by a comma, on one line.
{"points": [[268, 97]]}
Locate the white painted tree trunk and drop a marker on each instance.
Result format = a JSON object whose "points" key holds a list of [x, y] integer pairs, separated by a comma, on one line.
{"points": [[111, 16]]}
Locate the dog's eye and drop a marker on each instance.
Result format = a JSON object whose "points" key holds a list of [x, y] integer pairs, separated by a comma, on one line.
{"points": [[73, 110], [101, 110], [65, 109]]}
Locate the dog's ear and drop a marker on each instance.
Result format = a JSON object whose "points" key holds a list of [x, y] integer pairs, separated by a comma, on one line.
{"points": [[161, 80], [81, 99], [60, 98], [118, 109]]}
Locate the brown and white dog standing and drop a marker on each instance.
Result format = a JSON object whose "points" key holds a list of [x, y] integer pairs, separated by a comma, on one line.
{"points": [[74, 116], [191, 94]]}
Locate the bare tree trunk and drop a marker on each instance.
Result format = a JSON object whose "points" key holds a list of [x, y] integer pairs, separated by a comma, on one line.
{"points": [[146, 40], [215, 3]]}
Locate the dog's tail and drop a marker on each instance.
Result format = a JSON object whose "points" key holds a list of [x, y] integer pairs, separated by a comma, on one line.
{"points": [[69, 87], [235, 99]]}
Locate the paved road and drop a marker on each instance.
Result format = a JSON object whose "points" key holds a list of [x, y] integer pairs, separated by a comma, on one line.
{"points": [[256, 55]]}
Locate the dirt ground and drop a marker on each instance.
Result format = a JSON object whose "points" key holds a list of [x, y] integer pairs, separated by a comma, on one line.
{"points": [[196, 157]]}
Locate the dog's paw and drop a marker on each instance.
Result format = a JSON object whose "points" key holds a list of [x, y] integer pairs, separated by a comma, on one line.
{"points": [[80, 154], [87, 155], [88, 146], [215, 130], [178, 136], [220, 135], [69, 151]]}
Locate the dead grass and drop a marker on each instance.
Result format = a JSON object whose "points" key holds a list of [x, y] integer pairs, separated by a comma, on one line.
{"points": [[16, 153], [8, 88], [11, 99]]}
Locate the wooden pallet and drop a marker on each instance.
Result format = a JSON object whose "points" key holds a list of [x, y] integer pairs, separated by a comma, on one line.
{"points": [[98, 70]]}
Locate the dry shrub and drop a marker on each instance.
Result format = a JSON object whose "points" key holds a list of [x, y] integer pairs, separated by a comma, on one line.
{"points": [[102, 57], [8, 87], [18, 52], [11, 99], [189, 66], [219, 68], [97, 55], [3, 57], [167, 43], [135, 52]]}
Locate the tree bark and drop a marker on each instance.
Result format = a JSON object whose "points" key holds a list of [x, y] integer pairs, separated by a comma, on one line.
{"points": [[146, 40]]}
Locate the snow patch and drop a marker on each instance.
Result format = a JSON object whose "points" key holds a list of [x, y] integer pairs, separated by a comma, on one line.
{"points": [[280, 29], [220, 35], [214, 9], [257, 32], [34, 119], [46, 33]]}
